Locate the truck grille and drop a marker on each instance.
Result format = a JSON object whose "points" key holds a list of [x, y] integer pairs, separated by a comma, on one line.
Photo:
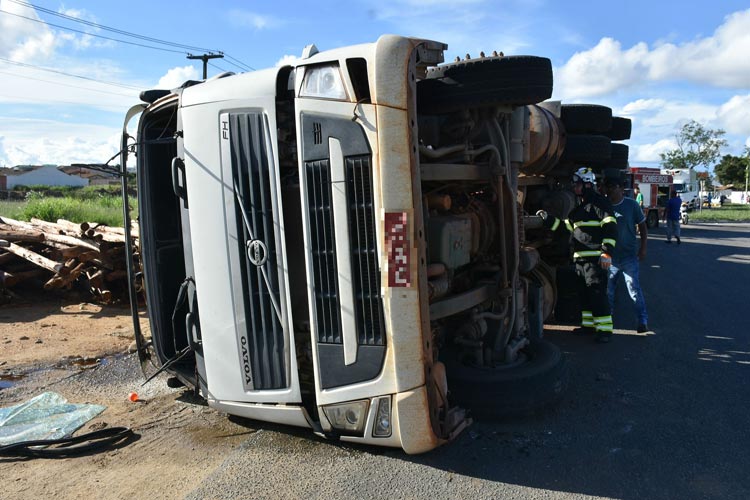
{"points": [[325, 272], [264, 332], [366, 279], [363, 247]]}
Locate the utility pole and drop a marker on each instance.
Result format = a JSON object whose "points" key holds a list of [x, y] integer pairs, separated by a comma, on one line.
{"points": [[205, 58]]}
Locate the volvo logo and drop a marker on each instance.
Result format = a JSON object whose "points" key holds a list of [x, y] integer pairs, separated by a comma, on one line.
{"points": [[257, 252]]}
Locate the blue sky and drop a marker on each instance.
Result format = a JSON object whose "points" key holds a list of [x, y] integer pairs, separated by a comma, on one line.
{"points": [[658, 63]]}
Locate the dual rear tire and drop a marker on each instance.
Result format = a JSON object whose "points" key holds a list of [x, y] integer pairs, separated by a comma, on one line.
{"points": [[530, 386]]}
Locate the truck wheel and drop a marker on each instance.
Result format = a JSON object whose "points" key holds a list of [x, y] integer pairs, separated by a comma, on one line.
{"points": [[544, 276], [619, 155], [496, 393], [488, 81], [587, 148], [620, 129], [652, 219], [586, 118]]}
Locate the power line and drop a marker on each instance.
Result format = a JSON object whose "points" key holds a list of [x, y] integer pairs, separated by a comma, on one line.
{"points": [[231, 60], [92, 34], [114, 30], [65, 84], [239, 63], [219, 68], [25, 99], [8, 61]]}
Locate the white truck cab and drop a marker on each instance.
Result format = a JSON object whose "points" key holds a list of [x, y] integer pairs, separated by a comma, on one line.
{"points": [[348, 243]]}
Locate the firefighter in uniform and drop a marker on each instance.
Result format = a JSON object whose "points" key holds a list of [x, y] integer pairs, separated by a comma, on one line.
{"points": [[593, 229]]}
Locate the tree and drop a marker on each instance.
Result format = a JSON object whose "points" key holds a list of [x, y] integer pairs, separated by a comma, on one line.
{"points": [[696, 146], [732, 170]]}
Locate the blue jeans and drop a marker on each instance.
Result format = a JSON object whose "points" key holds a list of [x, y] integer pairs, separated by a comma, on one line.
{"points": [[673, 228], [628, 267]]}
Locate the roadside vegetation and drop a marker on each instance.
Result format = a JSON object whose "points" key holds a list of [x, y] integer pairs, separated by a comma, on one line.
{"points": [[727, 213], [100, 204]]}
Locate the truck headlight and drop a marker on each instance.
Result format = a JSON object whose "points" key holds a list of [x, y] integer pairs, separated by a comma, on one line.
{"points": [[349, 417], [323, 81], [382, 427]]}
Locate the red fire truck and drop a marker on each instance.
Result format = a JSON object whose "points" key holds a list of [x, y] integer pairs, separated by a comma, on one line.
{"points": [[656, 188]]}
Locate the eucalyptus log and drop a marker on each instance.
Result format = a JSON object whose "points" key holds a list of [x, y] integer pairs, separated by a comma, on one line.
{"points": [[12, 279], [61, 281], [37, 259], [20, 235]]}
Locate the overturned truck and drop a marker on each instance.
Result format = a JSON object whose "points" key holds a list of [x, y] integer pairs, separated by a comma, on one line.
{"points": [[349, 243]]}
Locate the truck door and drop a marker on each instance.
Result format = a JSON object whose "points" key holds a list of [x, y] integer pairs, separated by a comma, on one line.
{"points": [[237, 239]]}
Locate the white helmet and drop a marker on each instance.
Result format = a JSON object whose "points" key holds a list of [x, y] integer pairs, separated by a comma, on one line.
{"points": [[585, 175]]}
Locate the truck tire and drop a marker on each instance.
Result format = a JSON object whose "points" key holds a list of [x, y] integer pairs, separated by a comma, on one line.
{"points": [[619, 155], [587, 148], [501, 393], [568, 305], [487, 81], [586, 118], [620, 129], [652, 219]]}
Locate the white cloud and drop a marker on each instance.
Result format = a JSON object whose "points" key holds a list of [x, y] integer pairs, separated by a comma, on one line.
{"points": [[4, 160], [734, 115], [601, 70], [720, 60], [177, 76], [641, 105], [287, 60], [23, 39], [257, 22], [33, 87], [661, 118], [34, 141], [650, 152]]}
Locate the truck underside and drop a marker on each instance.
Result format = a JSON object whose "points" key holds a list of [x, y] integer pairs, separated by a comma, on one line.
{"points": [[486, 157]]}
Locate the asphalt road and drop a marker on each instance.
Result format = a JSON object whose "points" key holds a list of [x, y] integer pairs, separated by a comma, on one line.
{"points": [[662, 415]]}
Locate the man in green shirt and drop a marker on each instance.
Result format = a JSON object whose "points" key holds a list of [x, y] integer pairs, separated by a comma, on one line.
{"points": [[638, 196]]}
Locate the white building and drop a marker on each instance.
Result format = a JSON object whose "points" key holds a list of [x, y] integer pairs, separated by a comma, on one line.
{"points": [[46, 175]]}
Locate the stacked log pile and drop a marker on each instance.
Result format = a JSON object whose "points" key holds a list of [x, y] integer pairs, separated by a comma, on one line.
{"points": [[66, 254]]}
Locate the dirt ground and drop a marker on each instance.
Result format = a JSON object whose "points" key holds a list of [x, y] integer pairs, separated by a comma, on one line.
{"points": [[80, 350], [53, 331]]}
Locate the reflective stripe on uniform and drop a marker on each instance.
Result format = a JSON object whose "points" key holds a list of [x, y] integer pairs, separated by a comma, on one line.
{"points": [[587, 223], [569, 225], [608, 219], [587, 318], [587, 253], [603, 324], [609, 241], [556, 224]]}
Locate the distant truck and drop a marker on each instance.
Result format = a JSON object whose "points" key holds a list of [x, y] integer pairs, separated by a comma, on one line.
{"points": [[656, 188], [686, 184], [350, 243]]}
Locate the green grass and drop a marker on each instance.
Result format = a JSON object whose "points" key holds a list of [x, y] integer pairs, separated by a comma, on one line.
{"points": [[727, 213], [12, 209], [91, 207]]}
